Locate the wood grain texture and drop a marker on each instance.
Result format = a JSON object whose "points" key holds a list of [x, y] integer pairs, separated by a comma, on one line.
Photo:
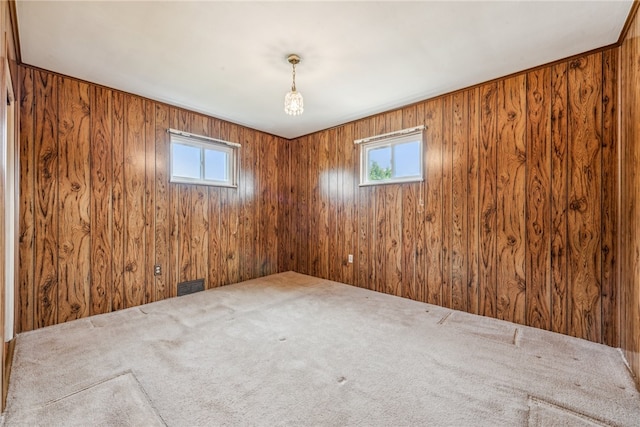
{"points": [[584, 215], [149, 202], [250, 206], [498, 227], [99, 210], [25, 303], [510, 240], [270, 190], [101, 198], [118, 240], [433, 202], [231, 132], [487, 231], [46, 215], [134, 200], [538, 206], [74, 186], [408, 226], [473, 200], [393, 209], [446, 151], [199, 249], [559, 205], [459, 197], [162, 226], [629, 227], [487, 203], [610, 177]]}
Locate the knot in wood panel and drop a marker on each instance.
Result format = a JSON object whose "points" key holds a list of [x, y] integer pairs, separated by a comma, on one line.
{"points": [[511, 241], [576, 63], [579, 205], [66, 247], [75, 186], [130, 266]]}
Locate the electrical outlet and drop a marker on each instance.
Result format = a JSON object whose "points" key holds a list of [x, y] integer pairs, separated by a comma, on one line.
{"points": [[157, 270], [350, 258]]}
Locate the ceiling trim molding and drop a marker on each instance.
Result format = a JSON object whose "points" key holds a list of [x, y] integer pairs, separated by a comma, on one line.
{"points": [[13, 16], [627, 24]]}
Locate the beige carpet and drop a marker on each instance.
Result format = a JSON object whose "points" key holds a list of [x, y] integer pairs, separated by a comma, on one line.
{"points": [[290, 349]]}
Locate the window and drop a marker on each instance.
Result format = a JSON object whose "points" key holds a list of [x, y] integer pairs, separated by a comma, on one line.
{"points": [[202, 160], [391, 158]]}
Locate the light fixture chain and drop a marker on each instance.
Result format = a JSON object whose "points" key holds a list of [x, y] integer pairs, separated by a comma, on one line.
{"points": [[293, 86]]}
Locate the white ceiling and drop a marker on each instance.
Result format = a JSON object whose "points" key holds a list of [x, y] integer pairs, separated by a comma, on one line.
{"points": [[228, 59]]}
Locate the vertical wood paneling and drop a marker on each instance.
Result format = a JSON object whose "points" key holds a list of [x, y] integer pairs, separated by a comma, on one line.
{"points": [[516, 217], [215, 228], [322, 192], [285, 253], [409, 211], [332, 257], [149, 202], [162, 226], [510, 239], [447, 199], [393, 236], [101, 197], [538, 213], [118, 239], [380, 222], [302, 206], [251, 210], [559, 206], [99, 211], [46, 215], [232, 133], [629, 231], [271, 207], [421, 217], [459, 186], [365, 259], [610, 294], [433, 201], [584, 216], [74, 186], [338, 206], [134, 197], [199, 249], [473, 203], [487, 201], [25, 303]]}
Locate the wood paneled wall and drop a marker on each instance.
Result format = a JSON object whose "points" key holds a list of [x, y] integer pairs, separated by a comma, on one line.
{"points": [[98, 211], [516, 217], [630, 196]]}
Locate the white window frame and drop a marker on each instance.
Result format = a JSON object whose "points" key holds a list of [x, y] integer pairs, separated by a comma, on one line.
{"points": [[390, 140], [203, 143]]}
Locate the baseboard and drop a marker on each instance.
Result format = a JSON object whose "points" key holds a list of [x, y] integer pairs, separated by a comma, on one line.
{"points": [[8, 361]]}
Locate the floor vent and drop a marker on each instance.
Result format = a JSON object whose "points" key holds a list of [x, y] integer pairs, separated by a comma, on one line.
{"points": [[190, 287]]}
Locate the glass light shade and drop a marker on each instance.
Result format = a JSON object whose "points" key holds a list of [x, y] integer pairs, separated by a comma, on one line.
{"points": [[293, 103]]}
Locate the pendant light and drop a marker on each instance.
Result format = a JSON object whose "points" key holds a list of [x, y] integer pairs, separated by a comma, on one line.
{"points": [[293, 102]]}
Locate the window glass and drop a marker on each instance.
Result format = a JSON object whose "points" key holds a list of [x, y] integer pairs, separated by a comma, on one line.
{"points": [[195, 161], [406, 158], [392, 159], [215, 165], [186, 161]]}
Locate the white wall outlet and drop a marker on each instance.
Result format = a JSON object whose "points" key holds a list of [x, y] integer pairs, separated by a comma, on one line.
{"points": [[350, 258]]}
